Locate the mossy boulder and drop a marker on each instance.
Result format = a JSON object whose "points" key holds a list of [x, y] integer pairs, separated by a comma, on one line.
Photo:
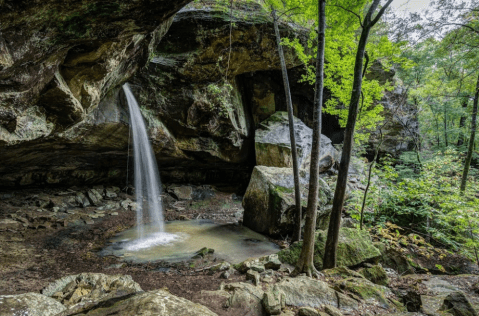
{"points": [[375, 274], [392, 258], [269, 205], [354, 247], [367, 291]]}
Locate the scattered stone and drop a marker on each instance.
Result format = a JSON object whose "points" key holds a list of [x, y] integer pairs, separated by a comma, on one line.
{"points": [[184, 192], [89, 221], [223, 266], [110, 193], [94, 197], [82, 200], [9, 224], [55, 209], [203, 252], [274, 300], [458, 304], [253, 276], [271, 262], [184, 218], [225, 275], [258, 268], [114, 213], [246, 265], [29, 304], [126, 204]]}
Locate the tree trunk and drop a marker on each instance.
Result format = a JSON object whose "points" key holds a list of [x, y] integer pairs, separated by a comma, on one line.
{"points": [[445, 126], [471, 139], [294, 152], [462, 124], [329, 260], [305, 261]]}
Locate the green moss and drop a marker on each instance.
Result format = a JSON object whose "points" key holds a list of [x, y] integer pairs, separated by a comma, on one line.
{"points": [[375, 274], [354, 247]]}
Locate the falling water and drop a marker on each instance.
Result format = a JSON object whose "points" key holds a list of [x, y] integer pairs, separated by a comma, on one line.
{"points": [[147, 182]]}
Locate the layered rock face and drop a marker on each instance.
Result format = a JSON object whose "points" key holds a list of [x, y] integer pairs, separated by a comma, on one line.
{"points": [[58, 61]]}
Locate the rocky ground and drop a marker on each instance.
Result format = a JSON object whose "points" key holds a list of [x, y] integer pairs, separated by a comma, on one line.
{"points": [[50, 239]]}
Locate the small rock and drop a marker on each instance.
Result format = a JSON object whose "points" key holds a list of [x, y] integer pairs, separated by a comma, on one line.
{"points": [[272, 262], [246, 265], [203, 252], [110, 193], [184, 218], [308, 311], [55, 209], [82, 200], [114, 213], [274, 300], [9, 224], [223, 266], [89, 221], [184, 192], [258, 268], [225, 275], [253, 276]]}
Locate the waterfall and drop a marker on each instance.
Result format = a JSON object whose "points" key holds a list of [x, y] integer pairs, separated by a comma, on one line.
{"points": [[147, 180]]}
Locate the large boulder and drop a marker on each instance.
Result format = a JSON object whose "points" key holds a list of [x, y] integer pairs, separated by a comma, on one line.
{"points": [[152, 303], [31, 304], [269, 200], [354, 247], [273, 144], [82, 291]]}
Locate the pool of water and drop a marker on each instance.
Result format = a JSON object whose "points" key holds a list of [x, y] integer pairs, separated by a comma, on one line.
{"points": [[182, 239]]}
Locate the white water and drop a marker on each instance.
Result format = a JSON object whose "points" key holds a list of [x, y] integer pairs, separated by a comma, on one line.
{"points": [[147, 183]]}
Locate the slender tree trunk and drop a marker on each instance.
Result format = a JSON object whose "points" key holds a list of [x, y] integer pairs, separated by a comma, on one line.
{"points": [[294, 152], [462, 124], [471, 139], [329, 260], [445, 126], [305, 261]]}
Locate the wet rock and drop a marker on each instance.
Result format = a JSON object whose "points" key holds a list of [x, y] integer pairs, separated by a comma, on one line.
{"points": [[274, 300], [31, 304], [354, 247], [304, 291], [269, 205], [458, 304], [90, 289], [203, 252], [111, 193], [253, 276], [375, 274]]}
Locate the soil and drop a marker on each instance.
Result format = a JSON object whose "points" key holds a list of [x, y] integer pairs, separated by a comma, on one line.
{"points": [[32, 257]]}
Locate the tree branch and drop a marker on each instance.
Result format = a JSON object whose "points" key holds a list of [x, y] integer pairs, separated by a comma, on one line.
{"points": [[381, 12], [347, 10]]}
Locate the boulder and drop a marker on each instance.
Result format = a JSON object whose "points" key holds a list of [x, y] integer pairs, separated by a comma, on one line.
{"points": [[269, 206], [458, 304], [82, 291], [354, 247], [371, 293], [304, 291], [273, 144], [274, 300], [31, 304], [393, 259], [152, 303], [246, 299], [375, 274], [308, 311]]}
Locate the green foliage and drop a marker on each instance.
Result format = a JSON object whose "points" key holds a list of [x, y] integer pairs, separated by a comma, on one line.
{"points": [[412, 198]]}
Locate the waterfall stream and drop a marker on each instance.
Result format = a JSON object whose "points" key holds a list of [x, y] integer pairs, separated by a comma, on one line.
{"points": [[147, 182]]}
